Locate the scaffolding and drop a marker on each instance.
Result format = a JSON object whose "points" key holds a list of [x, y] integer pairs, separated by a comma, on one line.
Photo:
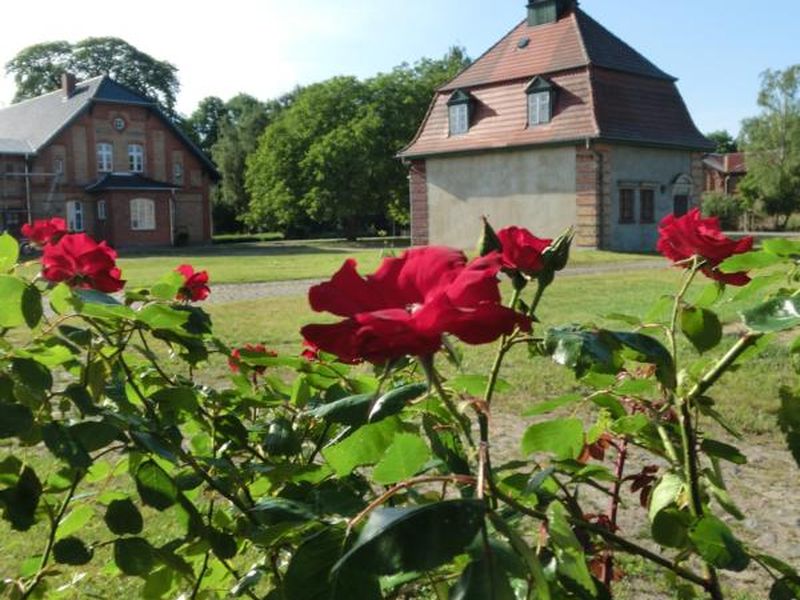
{"points": [[11, 195]]}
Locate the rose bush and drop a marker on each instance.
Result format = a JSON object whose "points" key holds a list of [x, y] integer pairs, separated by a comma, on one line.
{"points": [[322, 477], [45, 231]]}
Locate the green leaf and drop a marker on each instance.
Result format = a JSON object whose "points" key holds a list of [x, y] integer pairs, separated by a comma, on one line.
{"points": [[446, 446], [646, 349], [701, 326], [32, 380], [789, 420], [475, 385], [395, 400], [717, 545], [787, 588], [403, 459], [562, 437], [9, 252], [307, 577], [97, 304], [419, 538], [568, 549], [774, 315], [134, 556], [16, 420], [122, 517], [280, 439], [248, 581], [62, 444], [20, 501], [71, 551], [549, 406], [757, 259], [156, 488], [724, 451], [583, 349], [161, 316], [223, 544], [365, 447], [666, 492], [528, 555], [75, 520], [483, 579], [352, 410], [630, 425], [282, 510], [22, 303], [168, 286], [710, 295], [757, 285], [94, 435], [670, 528]]}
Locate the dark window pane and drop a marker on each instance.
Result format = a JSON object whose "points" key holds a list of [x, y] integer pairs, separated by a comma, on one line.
{"points": [[626, 207], [680, 205], [647, 206]]}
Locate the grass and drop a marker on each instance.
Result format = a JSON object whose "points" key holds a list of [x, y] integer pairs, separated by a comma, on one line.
{"points": [[247, 263]]}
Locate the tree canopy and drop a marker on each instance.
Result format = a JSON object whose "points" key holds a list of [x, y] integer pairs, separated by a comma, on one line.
{"points": [[772, 143], [725, 142], [329, 159], [37, 69]]}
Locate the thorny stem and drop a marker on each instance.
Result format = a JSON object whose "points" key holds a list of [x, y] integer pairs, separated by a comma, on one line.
{"points": [[463, 479], [608, 536], [619, 472], [462, 420], [687, 428], [51, 538]]}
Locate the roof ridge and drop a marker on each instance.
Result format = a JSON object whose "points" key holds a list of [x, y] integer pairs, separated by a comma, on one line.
{"points": [[56, 91]]}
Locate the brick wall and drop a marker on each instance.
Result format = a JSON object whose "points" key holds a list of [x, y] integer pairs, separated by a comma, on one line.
{"points": [[418, 190], [593, 188]]}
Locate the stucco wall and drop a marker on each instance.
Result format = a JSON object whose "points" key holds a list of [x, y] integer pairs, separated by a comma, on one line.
{"points": [[635, 168], [530, 188]]}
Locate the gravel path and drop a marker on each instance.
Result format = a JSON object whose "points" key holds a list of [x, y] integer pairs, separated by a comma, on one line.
{"points": [[224, 293]]}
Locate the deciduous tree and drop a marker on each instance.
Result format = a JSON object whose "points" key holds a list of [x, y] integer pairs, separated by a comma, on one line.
{"points": [[772, 143], [37, 69]]}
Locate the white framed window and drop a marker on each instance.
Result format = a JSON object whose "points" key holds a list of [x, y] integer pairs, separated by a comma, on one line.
{"points": [[102, 213], [143, 214], [135, 158], [105, 157], [459, 119], [58, 166], [538, 108], [177, 173], [75, 215]]}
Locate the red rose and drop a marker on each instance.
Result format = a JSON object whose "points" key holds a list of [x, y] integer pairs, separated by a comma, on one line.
{"points": [[681, 238], [310, 351], [409, 304], [235, 359], [195, 285], [522, 251], [45, 231], [81, 262]]}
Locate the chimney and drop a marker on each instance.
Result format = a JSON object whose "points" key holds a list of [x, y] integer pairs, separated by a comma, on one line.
{"points": [[68, 82], [541, 12]]}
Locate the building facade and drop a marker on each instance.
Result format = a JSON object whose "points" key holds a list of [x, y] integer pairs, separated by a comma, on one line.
{"points": [[723, 172], [558, 124], [108, 161]]}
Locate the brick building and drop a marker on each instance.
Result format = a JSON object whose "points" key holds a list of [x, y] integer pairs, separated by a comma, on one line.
{"points": [[107, 160], [559, 123], [723, 172]]}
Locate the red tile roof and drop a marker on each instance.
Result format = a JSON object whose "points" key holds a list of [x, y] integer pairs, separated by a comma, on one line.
{"points": [[606, 90], [733, 163]]}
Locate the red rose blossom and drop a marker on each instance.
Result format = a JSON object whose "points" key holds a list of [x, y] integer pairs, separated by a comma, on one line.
{"points": [[81, 262], [681, 238], [522, 251], [310, 351], [45, 231], [409, 303], [195, 284], [235, 359]]}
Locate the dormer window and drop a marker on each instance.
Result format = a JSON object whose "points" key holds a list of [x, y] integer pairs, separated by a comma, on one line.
{"points": [[541, 100], [459, 108]]}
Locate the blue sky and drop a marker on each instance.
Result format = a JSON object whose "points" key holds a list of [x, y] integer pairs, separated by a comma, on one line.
{"points": [[716, 48]]}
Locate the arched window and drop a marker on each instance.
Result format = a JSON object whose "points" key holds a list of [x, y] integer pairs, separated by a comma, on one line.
{"points": [[681, 193], [143, 214], [75, 215]]}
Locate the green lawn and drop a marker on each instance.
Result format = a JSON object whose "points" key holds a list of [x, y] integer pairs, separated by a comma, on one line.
{"points": [[241, 263]]}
